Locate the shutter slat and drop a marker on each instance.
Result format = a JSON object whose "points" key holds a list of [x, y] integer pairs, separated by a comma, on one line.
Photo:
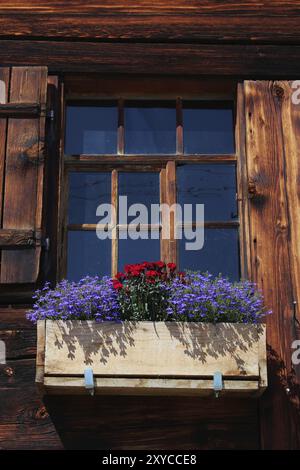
{"points": [[24, 173], [20, 110]]}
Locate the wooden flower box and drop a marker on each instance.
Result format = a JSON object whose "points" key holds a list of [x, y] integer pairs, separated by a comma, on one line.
{"points": [[151, 358]]}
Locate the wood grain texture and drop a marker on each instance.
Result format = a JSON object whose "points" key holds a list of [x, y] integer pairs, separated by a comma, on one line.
{"points": [[24, 169], [13, 319], [271, 169], [4, 78], [12, 238], [153, 387], [19, 110], [155, 58], [111, 422], [25, 423], [107, 422], [187, 354], [181, 21]]}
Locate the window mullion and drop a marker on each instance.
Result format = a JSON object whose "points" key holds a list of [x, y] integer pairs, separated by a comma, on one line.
{"points": [[114, 202], [121, 132], [171, 200], [179, 127]]}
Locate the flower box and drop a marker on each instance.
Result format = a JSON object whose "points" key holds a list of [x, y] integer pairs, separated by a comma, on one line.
{"points": [[151, 358]]}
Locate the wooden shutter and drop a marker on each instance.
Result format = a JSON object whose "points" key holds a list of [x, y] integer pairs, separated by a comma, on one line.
{"points": [[22, 129], [272, 124]]}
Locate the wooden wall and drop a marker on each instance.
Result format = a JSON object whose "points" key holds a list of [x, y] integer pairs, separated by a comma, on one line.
{"points": [[207, 34], [246, 39]]}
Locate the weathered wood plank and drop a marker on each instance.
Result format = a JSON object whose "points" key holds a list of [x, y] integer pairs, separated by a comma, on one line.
{"points": [[25, 423], [157, 58], [24, 169], [270, 245], [13, 238], [19, 343], [20, 110], [146, 386], [14, 318], [139, 422], [290, 116], [208, 21], [4, 85], [152, 349]]}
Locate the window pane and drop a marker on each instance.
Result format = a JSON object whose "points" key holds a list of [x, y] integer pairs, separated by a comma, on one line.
{"points": [[207, 128], [137, 251], [220, 254], [140, 188], [87, 255], [91, 129], [211, 185], [86, 192], [150, 127]]}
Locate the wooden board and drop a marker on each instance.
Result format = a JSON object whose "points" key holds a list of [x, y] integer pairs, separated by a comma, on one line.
{"points": [[272, 153], [24, 169], [183, 20], [151, 386], [229, 60], [148, 349]]}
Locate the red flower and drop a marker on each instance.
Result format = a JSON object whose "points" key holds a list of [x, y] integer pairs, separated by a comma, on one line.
{"points": [[171, 266], [151, 273], [146, 265], [181, 274], [117, 285], [135, 273], [159, 264], [120, 276]]}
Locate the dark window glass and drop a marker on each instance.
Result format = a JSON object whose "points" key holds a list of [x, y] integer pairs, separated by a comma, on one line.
{"points": [[86, 192], [87, 255], [91, 129], [140, 188], [207, 128], [137, 251], [211, 185], [150, 127], [220, 254]]}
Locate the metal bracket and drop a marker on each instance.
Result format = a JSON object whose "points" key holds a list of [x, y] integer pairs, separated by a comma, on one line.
{"points": [[218, 383], [89, 380]]}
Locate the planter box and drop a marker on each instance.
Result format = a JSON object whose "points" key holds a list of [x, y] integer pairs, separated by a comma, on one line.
{"points": [[151, 358]]}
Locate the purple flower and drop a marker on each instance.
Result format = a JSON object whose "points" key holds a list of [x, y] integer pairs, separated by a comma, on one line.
{"points": [[196, 297]]}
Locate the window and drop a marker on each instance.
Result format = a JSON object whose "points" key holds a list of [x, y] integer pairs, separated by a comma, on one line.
{"points": [[149, 150]]}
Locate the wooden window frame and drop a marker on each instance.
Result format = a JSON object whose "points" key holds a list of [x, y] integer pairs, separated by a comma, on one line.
{"points": [[198, 89]]}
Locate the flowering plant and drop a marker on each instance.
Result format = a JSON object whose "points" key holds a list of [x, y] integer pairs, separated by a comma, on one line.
{"points": [[154, 292], [91, 298], [143, 290]]}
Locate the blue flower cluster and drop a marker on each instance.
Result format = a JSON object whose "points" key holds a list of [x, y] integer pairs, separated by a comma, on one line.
{"points": [[91, 298], [192, 297], [204, 298]]}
